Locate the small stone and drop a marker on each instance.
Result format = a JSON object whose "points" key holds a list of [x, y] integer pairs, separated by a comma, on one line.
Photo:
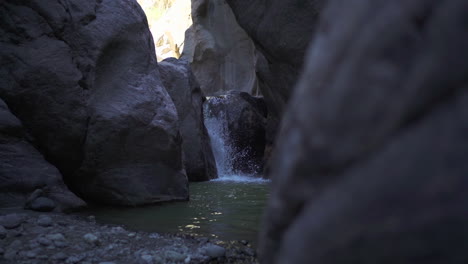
{"points": [[3, 232], [16, 244], [213, 251], [244, 242], [117, 230], [154, 236], [92, 218], [174, 256], [2, 251], [31, 254], [11, 221], [44, 241], [107, 262], [187, 260], [44, 221], [42, 204], [147, 259], [132, 234], [56, 237], [60, 243], [59, 256], [91, 239]]}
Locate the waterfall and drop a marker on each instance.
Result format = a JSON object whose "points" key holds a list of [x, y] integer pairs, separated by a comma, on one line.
{"points": [[224, 152]]}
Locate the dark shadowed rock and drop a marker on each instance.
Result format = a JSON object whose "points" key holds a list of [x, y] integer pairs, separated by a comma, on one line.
{"points": [[23, 169], [42, 204], [370, 165], [188, 99], [83, 79], [240, 120], [281, 31]]}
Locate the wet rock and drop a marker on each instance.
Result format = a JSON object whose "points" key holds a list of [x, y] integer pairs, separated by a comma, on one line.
{"points": [[44, 221], [188, 99], [11, 221], [213, 251], [238, 120], [59, 256], [42, 204], [44, 241]]}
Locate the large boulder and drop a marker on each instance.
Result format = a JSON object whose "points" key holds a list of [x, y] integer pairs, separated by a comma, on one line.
{"points": [[24, 171], [220, 52], [236, 122], [83, 79], [370, 165], [188, 99], [281, 31]]}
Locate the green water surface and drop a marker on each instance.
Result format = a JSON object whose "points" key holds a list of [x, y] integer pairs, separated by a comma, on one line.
{"points": [[227, 210]]}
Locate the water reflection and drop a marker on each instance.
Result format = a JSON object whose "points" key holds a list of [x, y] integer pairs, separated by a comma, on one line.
{"points": [[223, 209]]}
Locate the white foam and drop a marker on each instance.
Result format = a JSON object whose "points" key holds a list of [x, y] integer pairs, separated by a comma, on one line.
{"points": [[241, 178]]}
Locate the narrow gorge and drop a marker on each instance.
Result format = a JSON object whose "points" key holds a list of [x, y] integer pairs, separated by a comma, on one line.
{"points": [[233, 131]]}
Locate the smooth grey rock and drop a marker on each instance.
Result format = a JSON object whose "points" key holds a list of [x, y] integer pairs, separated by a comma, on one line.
{"points": [[213, 251], [370, 164], [55, 237], [11, 221], [188, 98], [44, 221], [91, 239], [220, 52], [239, 120], [83, 79], [42, 204], [44, 241]]}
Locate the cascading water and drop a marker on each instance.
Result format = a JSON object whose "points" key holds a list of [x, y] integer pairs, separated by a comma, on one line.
{"points": [[224, 151]]}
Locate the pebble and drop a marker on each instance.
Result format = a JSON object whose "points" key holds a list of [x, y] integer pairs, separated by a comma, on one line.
{"points": [[11, 221], [31, 254], [56, 237], [59, 256], [107, 262], [2, 251], [3, 232], [44, 221], [213, 251], [91, 239], [147, 259], [44, 241], [174, 256]]}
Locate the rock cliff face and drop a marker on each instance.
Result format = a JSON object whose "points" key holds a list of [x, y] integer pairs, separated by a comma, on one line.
{"points": [[370, 162], [221, 54], [168, 21], [188, 99], [238, 120], [83, 79], [24, 170], [281, 31]]}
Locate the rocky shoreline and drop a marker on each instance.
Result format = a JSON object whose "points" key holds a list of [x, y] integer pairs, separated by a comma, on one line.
{"points": [[31, 237]]}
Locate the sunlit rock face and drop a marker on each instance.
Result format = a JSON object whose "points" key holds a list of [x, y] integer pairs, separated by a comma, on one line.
{"points": [[221, 54], [168, 21], [370, 164], [82, 77]]}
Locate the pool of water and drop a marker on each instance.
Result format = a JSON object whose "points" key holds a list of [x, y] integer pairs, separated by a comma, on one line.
{"points": [[227, 209]]}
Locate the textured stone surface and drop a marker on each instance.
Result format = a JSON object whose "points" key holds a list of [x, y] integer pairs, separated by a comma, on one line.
{"points": [[220, 52], [281, 31], [23, 169], [240, 121], [188, 99], [83, 79], [370, 162]]}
